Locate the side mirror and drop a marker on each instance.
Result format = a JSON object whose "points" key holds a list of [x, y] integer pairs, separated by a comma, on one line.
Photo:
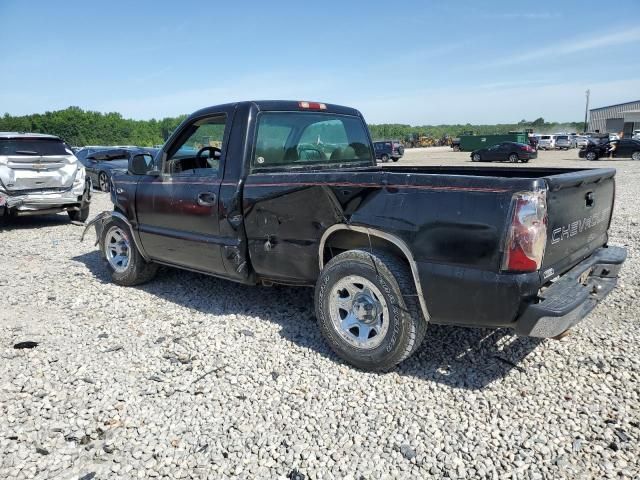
{"points": [[139, 164]]}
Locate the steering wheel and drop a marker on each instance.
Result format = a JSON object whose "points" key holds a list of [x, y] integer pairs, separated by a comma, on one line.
{"points": [[206, 162], [213, 150]]}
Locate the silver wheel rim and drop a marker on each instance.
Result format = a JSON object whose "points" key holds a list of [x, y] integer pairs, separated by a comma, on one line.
{"points": [[476, 157], [513, 158], [103, 182], [117, 249], [591, 156], [635, 156], [359, 312]]}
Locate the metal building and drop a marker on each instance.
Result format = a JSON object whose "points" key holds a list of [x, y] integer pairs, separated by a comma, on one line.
{"points": [[623, 117]]}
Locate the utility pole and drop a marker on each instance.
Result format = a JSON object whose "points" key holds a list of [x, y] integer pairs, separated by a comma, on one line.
{"points": [[586, 109]]}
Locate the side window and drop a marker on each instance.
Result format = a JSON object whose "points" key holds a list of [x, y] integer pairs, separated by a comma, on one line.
{"points": [[199, 149]]}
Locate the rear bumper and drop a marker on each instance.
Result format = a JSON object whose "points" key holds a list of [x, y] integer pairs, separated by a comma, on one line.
{"points": [[43, 200], [570, 299]]}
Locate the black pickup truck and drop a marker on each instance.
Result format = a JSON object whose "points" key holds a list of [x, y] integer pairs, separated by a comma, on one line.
{"points": [[285, 192]]}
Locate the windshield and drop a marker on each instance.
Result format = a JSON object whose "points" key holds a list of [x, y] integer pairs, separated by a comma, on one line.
{"points": [[306, 138], [562, 137], [33, 146]]}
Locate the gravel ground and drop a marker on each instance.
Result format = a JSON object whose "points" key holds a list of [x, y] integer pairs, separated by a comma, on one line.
{"points": [[194, 377]]}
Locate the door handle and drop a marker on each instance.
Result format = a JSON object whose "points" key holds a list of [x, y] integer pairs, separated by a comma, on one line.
{"points": [[206, 199]]}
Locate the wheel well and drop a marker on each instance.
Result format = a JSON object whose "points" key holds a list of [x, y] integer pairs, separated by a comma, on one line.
{"points": [[344, 240]]}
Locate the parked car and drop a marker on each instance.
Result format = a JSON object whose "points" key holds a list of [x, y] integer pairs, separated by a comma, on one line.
{"points": [[83, 152], [505, 152], [581, 141], [389, 249], [39, 174], [563, 142], [388, 150], [102, 164], [627, 148], [547, 142]]}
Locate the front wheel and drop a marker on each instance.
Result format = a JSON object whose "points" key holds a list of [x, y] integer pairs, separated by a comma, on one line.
{"points": [[591, 156], [513, 158], [384, 158], [635, 156], [368, 310], [476, 157], [125, 263]]}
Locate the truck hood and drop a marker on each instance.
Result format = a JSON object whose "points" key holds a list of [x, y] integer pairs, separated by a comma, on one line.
{"points": [[37, 172]]}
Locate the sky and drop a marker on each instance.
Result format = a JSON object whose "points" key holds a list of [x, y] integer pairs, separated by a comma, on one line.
{"points": [[413, 62]]}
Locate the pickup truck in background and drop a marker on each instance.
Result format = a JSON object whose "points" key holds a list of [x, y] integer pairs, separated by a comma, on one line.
{"points": [[39, 174], [289, 192]]}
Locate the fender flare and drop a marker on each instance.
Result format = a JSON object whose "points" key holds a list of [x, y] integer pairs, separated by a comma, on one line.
{"points": [[372, 232], [101, 217]]}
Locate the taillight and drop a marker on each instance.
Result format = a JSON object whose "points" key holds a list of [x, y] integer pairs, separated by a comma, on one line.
{"points": [[527, 234], [312, 105]]}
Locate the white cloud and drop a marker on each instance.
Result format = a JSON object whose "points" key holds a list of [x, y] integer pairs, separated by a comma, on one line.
{"points": [[524, 15], [499, 104], [623, 37]]}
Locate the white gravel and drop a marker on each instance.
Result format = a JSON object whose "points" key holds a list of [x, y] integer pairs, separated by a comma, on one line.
{"points": [[194, 377]]}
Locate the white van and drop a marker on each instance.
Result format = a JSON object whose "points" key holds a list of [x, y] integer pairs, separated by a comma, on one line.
{"points": [[547, 142]]}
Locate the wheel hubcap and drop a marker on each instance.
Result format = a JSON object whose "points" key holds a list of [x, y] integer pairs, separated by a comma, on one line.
{"points": [[359, 312], [103, 182], [117, 249]]}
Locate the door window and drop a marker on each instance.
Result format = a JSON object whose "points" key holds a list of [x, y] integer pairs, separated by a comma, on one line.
{"points": [[199, 148]]}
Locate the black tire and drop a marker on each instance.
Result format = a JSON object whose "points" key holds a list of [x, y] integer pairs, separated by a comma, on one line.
{"points": [[526, 160], [392, 277], [384, 158], [591, 156], [79, 215], [635, 156], [138, 270], [476, 157], [513, 158], [395, 159], [103, 182]]}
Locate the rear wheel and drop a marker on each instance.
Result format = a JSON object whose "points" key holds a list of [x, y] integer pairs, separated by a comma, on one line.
{"points": [[476, 157], [125, 263], [384, 158], [368, 310], [103, 182], [79, 215], [635, 156], [513, 158], [395, 159]]}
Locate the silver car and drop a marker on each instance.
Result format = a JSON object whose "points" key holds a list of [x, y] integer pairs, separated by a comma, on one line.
{"points": [[40, 174], [563, 142]]}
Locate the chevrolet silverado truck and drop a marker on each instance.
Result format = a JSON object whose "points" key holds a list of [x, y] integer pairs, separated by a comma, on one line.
{"points": [[289, 193], [39, 174]]}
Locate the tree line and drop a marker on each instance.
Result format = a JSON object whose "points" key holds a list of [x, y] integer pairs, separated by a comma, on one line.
{"points": [[83, 127]]}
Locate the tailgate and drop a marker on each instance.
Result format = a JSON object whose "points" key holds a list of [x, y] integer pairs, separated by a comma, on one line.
{"points": [[579, 205], [29, 172]]}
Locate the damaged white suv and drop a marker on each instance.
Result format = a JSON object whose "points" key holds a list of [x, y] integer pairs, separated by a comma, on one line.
{"points": [[39, 174]]}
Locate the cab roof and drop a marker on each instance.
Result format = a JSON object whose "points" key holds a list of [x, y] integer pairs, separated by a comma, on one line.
{"points": [[27, 135]]}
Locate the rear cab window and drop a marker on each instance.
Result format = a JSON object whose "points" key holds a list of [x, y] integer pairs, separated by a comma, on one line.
{"points": [[34, 146], [293, 140]]}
